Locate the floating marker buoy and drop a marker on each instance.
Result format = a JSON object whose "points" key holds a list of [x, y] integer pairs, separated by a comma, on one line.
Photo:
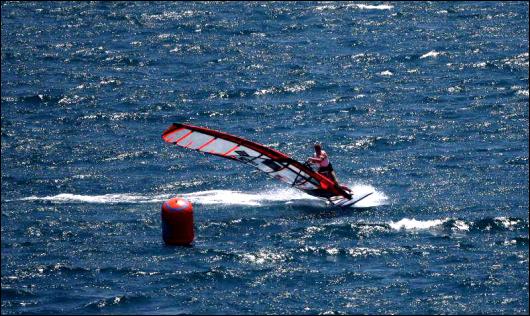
{"points": [[177, 222]]}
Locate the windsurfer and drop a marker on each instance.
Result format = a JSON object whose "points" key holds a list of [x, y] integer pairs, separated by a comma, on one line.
{"points": [[324, 166]]}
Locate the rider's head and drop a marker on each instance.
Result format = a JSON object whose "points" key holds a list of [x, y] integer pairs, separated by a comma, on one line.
{"points": [[318, 148]]}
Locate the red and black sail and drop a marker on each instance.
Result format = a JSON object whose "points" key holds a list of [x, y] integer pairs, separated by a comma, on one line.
{"points": [[274, 163]]}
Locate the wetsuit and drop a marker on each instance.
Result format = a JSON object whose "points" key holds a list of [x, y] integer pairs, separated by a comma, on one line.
{"points": [[325, 166]]}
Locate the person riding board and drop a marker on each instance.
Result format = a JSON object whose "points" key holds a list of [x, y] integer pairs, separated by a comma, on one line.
{"points": [[324, 166]]}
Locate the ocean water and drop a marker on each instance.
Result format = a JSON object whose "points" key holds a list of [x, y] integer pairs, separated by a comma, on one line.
{"points": [[424, 102]]}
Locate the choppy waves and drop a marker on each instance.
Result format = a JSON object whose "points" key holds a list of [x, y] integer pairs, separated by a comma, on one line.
{"points": [[423, 103]]}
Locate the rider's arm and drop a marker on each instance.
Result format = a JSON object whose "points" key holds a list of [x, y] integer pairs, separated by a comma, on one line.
{"points": [[319, 159]]}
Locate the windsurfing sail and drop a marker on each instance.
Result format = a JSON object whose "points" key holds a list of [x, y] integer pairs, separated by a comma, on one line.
{"points": [[274, 163]]}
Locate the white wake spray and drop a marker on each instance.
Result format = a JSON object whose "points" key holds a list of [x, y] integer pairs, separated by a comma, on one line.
{"points": [[100, 199], [209, 197], [227, 197], [377, 198], [212, 197]]}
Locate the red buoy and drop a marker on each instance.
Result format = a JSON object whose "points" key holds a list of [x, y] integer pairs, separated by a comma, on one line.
{"points": [[177, 222]]}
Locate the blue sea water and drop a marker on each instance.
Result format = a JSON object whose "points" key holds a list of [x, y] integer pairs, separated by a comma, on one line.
{"points": [[424, 102]]}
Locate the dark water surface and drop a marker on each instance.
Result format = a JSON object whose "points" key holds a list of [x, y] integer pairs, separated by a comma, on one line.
{"points": [[426, 103]]}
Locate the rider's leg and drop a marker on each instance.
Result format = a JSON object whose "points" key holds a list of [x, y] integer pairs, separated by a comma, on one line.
{"points": [[333, 176]]}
